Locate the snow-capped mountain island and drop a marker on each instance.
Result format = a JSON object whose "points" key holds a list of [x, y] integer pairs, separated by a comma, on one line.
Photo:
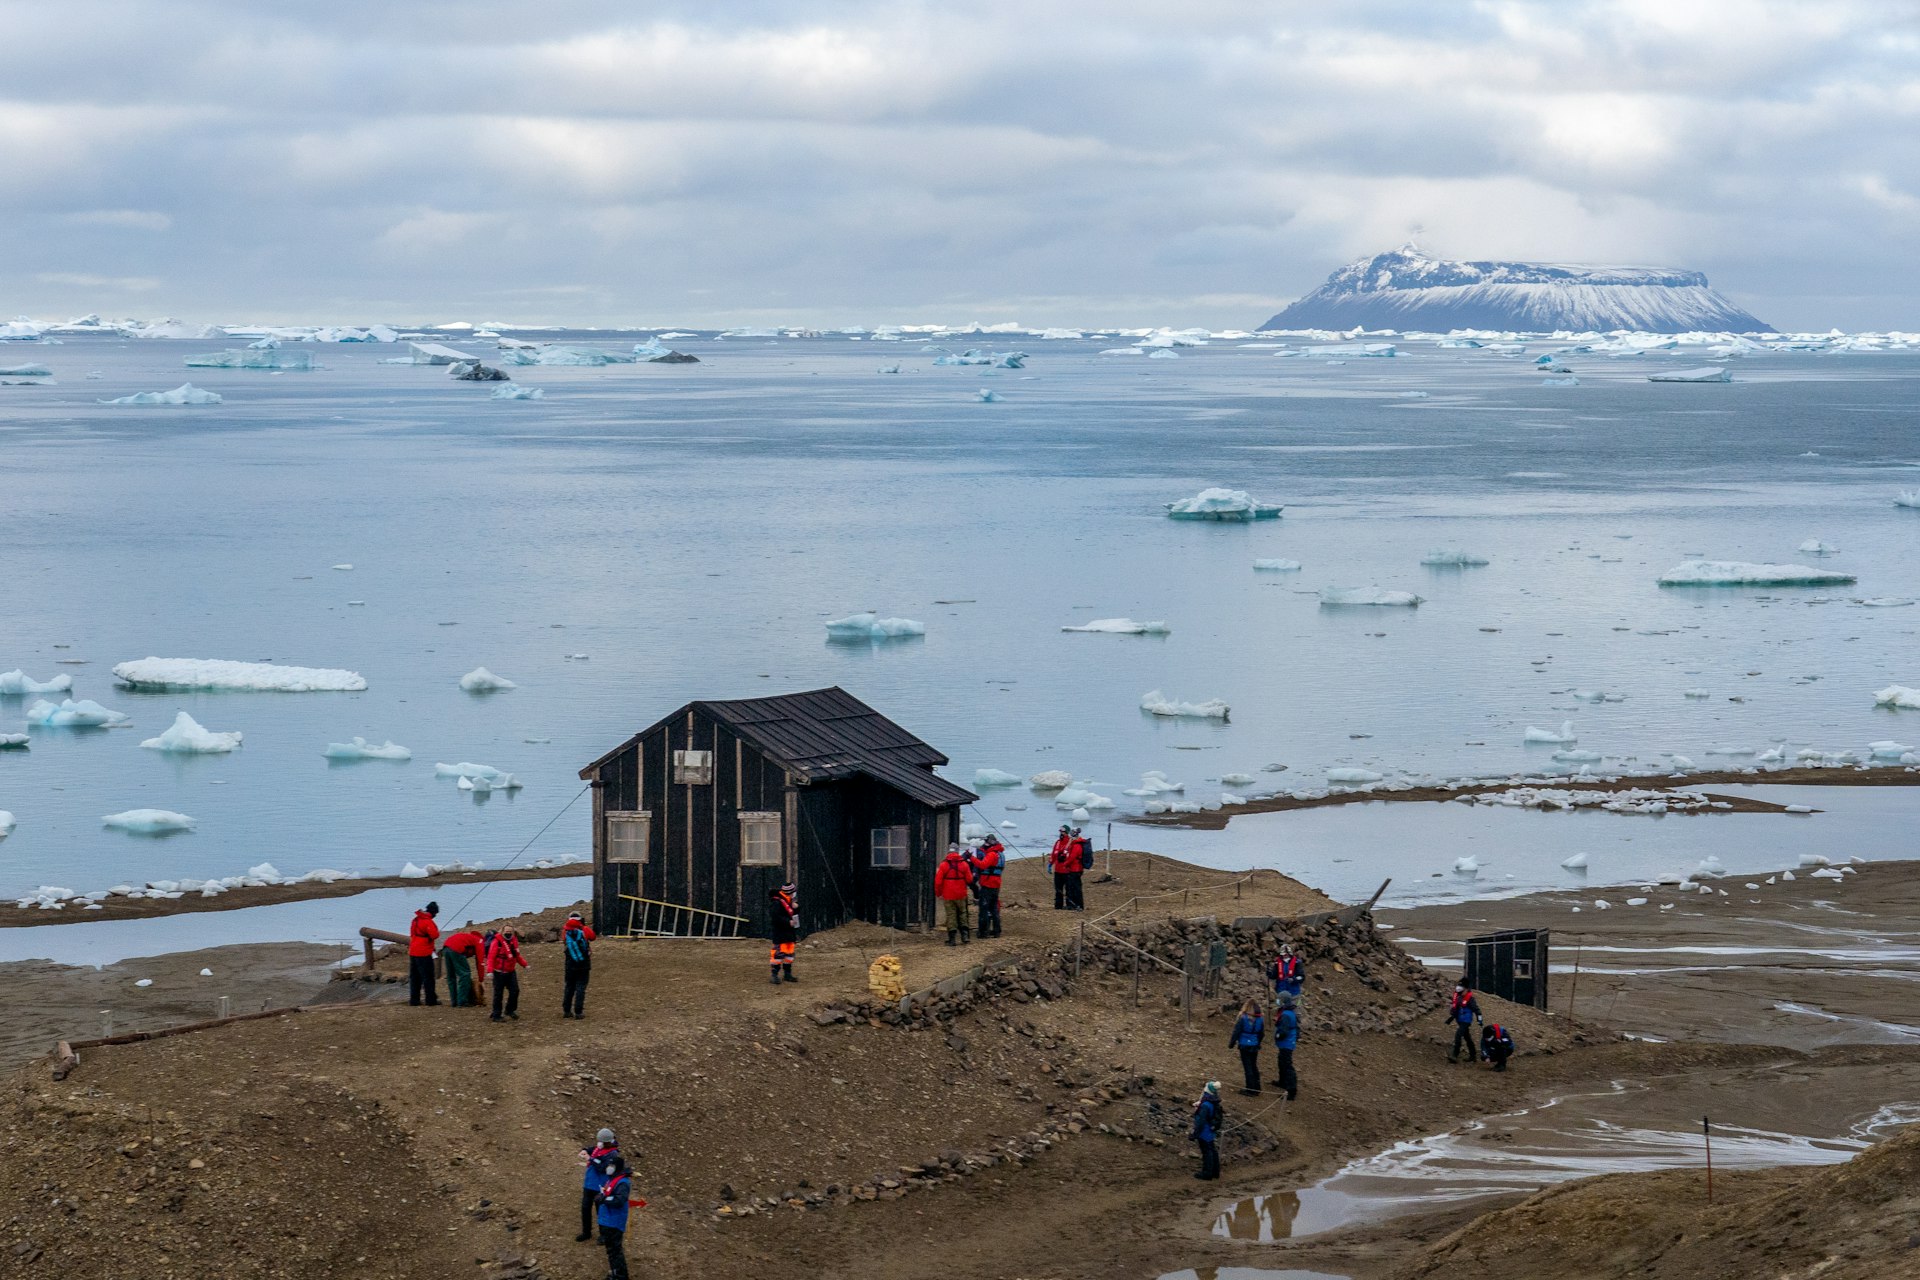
{"points": [[1406, 289]]}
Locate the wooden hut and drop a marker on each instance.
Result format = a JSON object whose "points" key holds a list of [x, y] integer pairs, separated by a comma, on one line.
{"points": [[697, 818]]}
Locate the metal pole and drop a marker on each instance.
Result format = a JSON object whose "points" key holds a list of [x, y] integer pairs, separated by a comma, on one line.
{"points": [[1573, 986], [1706, 1132]]}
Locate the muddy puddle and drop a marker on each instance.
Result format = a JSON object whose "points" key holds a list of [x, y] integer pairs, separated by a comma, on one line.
{"points": [[1761, 1117]]}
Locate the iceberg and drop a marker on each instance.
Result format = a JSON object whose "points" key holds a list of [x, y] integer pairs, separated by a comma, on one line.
{"points": [[1453, 558], [7, 824], [361, 749], [1568, 381], [1578, 862], [185, 393], [1898, 696], [16, 683], [254, 357], [1466, 865], [1277, 566], [477, 372], [1157, 703], [1122, 627], [1907, 498], [996, 778], [871, 626], [1236, 779], [1155, 783], [1339, 597], [159, 674], [586, 357], [1050, 780], [1739, 573], [1815, 547], [1080, 798], [1222, 504], [186, 737], [514, 391], [1709, 373], [149, 822], [1566, 734], [477, 777], [1353, 777], [26, 371], [435, 353], [1578, 756], [1163, 353], [84, 714], [15, 742], [988, 396], [481, 680]]}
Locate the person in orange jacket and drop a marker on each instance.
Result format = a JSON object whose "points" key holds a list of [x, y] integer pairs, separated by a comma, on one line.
{"points": [[1058, 861], [576, 938], [783, 932], [952, 880], [504, 962], [420, 940], [461, 953], [989, 863]]}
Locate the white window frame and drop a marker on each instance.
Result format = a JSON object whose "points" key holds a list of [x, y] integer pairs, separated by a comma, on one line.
{"points": [[619, 844], [754, 825], [894, 859], [693, 767]]}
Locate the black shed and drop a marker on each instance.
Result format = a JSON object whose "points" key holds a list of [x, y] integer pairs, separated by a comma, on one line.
{"points": [[1511, 964], [706, 812]]}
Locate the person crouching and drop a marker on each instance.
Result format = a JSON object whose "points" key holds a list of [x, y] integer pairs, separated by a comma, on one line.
{"points": [[1496, 1045]]}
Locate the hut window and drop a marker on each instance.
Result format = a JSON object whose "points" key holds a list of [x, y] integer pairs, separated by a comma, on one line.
{"points": [[760, 840], [695, 767], [890, 848], [628, 836]]}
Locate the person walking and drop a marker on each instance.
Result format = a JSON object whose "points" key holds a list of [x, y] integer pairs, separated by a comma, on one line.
{"points": [[784, 932], [1057, 863], [578, 937], [1286, 972], [604, 1145], [989, 862], [420, 948], [1248, 1034], [461, 954], [613, 1202], [1208, 1120], [952, 880], [504, 962], [1286, 1037], [1462, 1011], [1080, 861], [1496, 1045]]}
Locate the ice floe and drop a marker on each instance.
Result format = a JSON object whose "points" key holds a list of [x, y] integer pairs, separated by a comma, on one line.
{"points": [[1353, 777], [1277, 566], [1899, 696], [254, 357], [1633, 800], [1222, 504], [215, 673], [1815, 547], [1081, 798], [1050, 780], [1155, 783], [1453, 558], [185, 393], [477, 777], [1578, 862], [1122, 627], [361, 749], [871, 626], [1907, 498], [149, 822], [84, 714], [14, 742], [16, 683], [481, 680], [185, 736], [1740, 573], [1157, 703], [1565, 733], [1342, 597], [1707, 373], [996, 778]]}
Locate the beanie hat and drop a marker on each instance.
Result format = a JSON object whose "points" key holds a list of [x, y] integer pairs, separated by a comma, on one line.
{"points": [[433, 908], [605, 1137]]}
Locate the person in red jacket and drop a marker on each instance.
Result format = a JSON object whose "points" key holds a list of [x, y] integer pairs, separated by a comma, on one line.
{"points": [[420, 940], [576, 939], [1057, 862], [504, 962], [1079, 862], [952, 880], [462, 955], [988, 862]]}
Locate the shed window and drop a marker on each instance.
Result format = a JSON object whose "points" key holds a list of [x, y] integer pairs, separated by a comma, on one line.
{"points": [[628, 836], [695, 767], [1523, 968], [890, 848], [760, 840]]}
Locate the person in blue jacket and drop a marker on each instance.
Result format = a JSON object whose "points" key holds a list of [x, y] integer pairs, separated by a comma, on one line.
{"points": [[1286, 1035], [1287, 973], [1248, 1034], [604, 1145], [1462, 1011], [1208, 1120], [616, 1195]]}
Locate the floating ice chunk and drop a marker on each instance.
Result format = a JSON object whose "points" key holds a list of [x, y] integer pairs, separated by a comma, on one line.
{"points": [[1698, 693], [1163, 353], [469, 772], [1341, 597], [1708, 373], [7, 824], [514, 391], [1601, 904], [361, 749], [15, 683], [1898, 695], [1453, 558], [1814, 860], [1222, 504], [84, 714], [504, 782], [1907, 498], [254, 358], [1888, 750], [871, 626], [1569, 381], [1578, 756], [1887, 602], [1467, 865], [1738, 573], [411, 872], [1537, 734], [149, 822], [1157, 703], [1236, 779], [214, 673], [1081, 798], [481, 680], [1598, 695], [1277, 566], [1123, 627], [26, 371], [1154, 782], [186, 737], [1679, 761], [996, 778], [1050, 780], [1353, 777], [15, 742], [1815, 547], [1135, 351], [1578, 862], [1828, 873], [988, 395], [185, 393]]}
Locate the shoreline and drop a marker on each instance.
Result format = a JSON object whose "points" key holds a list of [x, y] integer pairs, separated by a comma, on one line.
{"points": [[13, 917], [1896, 776]]}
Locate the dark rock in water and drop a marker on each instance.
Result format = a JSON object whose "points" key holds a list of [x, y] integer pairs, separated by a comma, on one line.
{"points": [[675, 357], [477, 372], [1406, 289]]}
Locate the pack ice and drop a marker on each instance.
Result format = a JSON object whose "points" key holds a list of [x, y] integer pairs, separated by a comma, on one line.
{"points": [[186, 737], [1453, 558], [149, 822], [1740, 573], [185, 393], [254, 358], [26, 371], [871, 626], [216, 673], [15, 683], [1277, 566], [1117, 627], [481, 680], [1709, 373], [361, 749], [1157, 703], [1898, 696], [1343, 596], [1222, 504], [84, 714]]}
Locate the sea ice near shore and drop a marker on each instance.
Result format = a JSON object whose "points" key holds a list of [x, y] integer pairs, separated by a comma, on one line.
{"points": [[361, 749], [1157, 703]]}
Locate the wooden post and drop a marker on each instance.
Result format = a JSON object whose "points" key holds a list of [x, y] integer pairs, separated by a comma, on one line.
{"points": [[1573, 986], [1706, 1132], [1136, 976], [1079, 942]]}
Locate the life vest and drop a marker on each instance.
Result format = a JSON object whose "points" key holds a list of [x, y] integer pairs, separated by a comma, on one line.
{"points": [[951, 880], [613, 1209], [990, 865], [1463, 1005], [1285, 971], [503, 955], [1057, 859], [1497, 1034], [595, 1179]]}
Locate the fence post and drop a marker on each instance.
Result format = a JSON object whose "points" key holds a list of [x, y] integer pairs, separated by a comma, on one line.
{"points": [[1136, 976], [1079, 942]]}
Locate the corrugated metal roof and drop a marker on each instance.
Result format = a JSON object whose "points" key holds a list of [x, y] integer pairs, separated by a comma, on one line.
{"points": [[824, 734]]}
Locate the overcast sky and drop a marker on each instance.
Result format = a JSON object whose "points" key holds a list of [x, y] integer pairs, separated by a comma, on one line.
{"points": [[860, 163]]}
